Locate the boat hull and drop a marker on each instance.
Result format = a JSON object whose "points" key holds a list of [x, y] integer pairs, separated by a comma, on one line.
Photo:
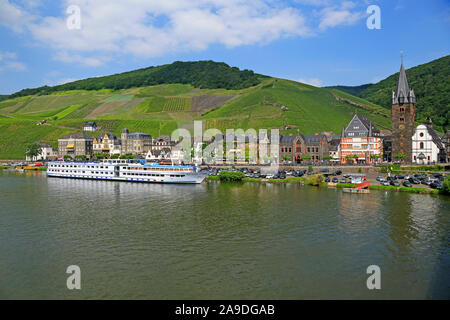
{"points": [[128, 173]]}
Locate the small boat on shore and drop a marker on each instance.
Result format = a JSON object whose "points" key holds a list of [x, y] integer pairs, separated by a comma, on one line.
{"points": [[359, 188]]}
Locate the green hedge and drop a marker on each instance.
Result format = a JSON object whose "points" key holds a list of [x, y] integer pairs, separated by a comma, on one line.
{"points": [[231, 176]]}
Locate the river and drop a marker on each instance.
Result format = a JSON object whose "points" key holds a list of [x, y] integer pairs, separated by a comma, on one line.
{"points": [[218, 241]]}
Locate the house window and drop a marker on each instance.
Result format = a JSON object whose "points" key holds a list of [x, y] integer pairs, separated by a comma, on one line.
{"points": [[402, 109], [421, 145], [415, 158], [428, 158], [421, 134], [402, 119]]}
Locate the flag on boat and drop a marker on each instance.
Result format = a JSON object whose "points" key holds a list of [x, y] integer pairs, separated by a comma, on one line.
{"points": [[61, 159]]}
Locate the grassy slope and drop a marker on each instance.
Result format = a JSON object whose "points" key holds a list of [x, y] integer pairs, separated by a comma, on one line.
{"points": [[163, 108]]}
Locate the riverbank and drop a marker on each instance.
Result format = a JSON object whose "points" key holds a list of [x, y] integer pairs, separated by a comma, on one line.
{"points": [[312, 182], [23, 168]]}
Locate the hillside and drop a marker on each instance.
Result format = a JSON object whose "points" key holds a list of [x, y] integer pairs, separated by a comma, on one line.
{"points": [[431, 85], [200, 74], [162, 108]]}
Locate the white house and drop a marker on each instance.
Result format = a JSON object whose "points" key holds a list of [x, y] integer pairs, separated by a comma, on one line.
{"points": [[427, 145], [90, 126], [47, 153]]}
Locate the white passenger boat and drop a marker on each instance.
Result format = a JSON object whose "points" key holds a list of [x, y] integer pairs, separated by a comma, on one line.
{"points": [[125, 170]]}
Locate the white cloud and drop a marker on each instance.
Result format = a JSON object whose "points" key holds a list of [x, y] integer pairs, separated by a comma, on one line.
{"points": [[8, 61], [334, 16], [67, 80], [13, 16], [311, 81], [153, 28], [75, 58], [119, 26]]}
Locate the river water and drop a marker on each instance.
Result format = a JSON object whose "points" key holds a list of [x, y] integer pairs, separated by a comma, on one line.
{"points": [[218, 241]]}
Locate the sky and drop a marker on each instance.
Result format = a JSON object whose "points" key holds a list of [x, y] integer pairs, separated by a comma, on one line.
{"points": [[320, 42]]}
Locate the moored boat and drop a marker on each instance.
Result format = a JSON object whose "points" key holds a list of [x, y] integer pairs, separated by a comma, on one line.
{"points": [[125, 170]]}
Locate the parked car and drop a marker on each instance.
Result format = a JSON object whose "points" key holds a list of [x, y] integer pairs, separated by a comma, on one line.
{"points": [[395, 183], [436, 185], [406, 183], [379, 178], [343, 180], [414, 180], [335, 180], [327, 179], [384, 183]]}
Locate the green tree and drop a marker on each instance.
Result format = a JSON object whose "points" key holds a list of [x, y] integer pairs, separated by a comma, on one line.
{"points": [[34, 150], [231, 176], [80, 157], [67, 157], [127, 156], [446, 186], [400, 156]]}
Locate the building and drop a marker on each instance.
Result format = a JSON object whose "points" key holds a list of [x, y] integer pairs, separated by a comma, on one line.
{"points": [[316, 146], [446, 141], [106, 143], [427, 145], [334, 149], [386, 136], [163, 142], [360, 141], [136, 143], [75, 144], [48, 153], [403, 115], [90, 126], [296, 148]]}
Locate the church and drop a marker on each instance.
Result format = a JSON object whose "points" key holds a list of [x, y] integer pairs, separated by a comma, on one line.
{"points": [[427, 145], [403, 115], [421, 145]]}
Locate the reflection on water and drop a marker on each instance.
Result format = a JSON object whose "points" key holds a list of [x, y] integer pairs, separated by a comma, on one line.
{"points": [[226, 241]]}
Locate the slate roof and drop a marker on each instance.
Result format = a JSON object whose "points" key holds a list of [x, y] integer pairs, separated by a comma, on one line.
{"points": [[90, 124], [437, 138], [403, 94], [368, 124], [139, 135], [110, 137], [76, 135], [312, 139], [287, 139], [334, 144], [164, 137]]}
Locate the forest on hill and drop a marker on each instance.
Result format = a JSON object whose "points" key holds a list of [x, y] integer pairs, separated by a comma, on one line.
{"points": [[431, 85], [199, 74]]}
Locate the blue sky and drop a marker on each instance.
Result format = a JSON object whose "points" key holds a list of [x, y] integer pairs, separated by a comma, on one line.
{"points": [[321, 42]]}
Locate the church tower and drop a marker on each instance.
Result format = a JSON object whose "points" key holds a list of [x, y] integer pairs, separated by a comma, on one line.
{"points": [[403, 114]]}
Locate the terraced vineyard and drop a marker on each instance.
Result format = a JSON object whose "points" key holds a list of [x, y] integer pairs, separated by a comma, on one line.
{"points": [[161, 109], [177, 104]]}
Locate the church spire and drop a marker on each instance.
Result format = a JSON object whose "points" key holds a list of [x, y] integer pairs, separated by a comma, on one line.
{"points": [[403, 94]]}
